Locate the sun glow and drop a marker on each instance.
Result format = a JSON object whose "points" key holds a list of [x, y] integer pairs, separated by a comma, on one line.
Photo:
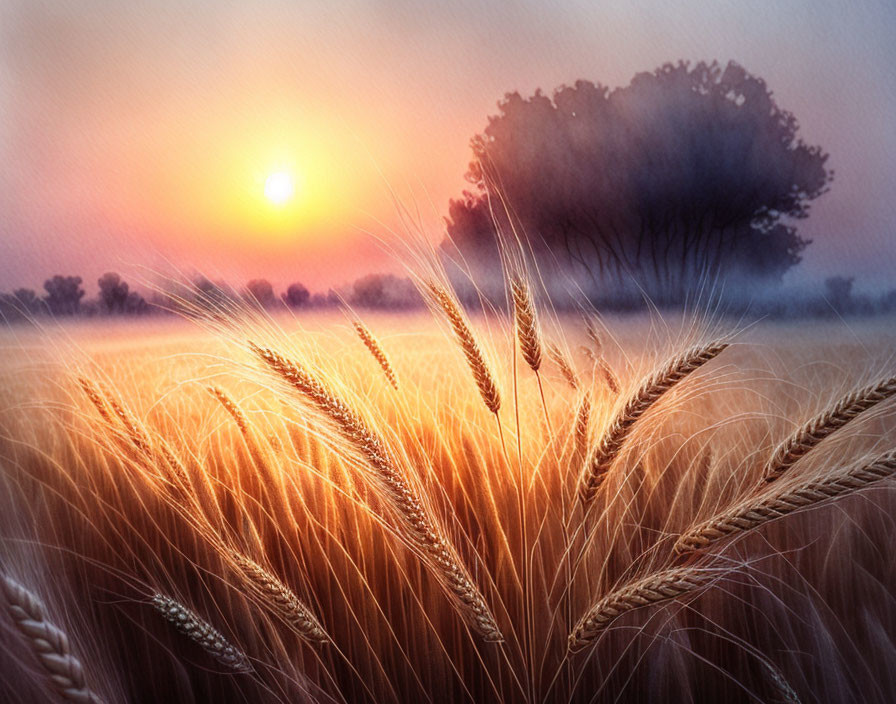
{"points": [[279, 187]]}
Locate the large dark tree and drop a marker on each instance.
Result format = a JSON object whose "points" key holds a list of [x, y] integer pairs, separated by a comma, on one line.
{"points": [[687, 172]]}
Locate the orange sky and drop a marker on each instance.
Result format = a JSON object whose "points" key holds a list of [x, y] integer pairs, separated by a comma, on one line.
{"points": [[133, 137]]}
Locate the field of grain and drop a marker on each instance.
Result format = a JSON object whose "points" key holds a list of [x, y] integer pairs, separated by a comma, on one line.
{"points": [[288, 510]]}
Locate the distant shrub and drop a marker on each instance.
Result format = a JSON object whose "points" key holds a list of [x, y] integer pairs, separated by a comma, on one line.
{"points": [[385, 291]]}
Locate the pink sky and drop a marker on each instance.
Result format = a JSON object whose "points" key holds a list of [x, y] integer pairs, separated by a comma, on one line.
{"points": [[133, 137]]}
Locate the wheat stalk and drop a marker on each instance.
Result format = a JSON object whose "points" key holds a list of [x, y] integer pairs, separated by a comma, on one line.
{"points": [[104, 400], [373, 345], [96, 398], [652, 589], [420, 529], [564, 365], [229, 405], [526, 319], [821, 426], [134, 428], [784, 692], [583, 423], [188, 623], [48, 642], [609, 376], [482, 375], [753, 514], [651, 390], [281, 600], [594, 336]]}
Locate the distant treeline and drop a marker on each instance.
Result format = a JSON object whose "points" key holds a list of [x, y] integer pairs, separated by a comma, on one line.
{"points": [[65, 296]]}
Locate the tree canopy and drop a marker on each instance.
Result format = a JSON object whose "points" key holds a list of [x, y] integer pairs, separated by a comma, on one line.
{"points": [[64, 294], [689, 171]]}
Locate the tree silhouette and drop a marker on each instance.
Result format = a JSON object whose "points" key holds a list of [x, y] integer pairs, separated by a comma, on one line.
{"points": [[384, 291], [21, 304], [113, 292], [135, 304], [687, 172], [296, 296], [260, 292], [64, 294], [28, 301], [212, 295]]}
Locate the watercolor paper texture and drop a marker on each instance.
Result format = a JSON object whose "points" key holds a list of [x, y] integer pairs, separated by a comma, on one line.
{"points": [[387, 351]]}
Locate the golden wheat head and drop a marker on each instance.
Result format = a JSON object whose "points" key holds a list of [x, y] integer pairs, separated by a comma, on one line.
{"points": [[386, 476], [482, 375], [564, 365], [608, 375], [753, 514], [48, 642], [651, 390], [188, 623], [526, 319], [229, 405], [583, 425], [652, 589], [376, 349], [281, 600], [824, 424]]}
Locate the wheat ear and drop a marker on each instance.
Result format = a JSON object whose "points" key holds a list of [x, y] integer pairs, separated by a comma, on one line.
{"points": [[784, 692], [96, 398], [750, 515], [135, 430], [107, 404], [583, 423], [229, 405], [652, 589], [373, 345], [280, 600], [526, 319], [609, 376], [651, 390], [564, 365], [419, 528], [594, 336], [48, 642], [482, 375], [821, 426], [188, 623]]}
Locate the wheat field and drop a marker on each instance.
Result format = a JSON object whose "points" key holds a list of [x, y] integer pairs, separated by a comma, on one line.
{"points": [[448, 507]]}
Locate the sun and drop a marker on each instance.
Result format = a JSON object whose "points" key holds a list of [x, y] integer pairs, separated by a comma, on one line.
{"points": [[279, 187]]}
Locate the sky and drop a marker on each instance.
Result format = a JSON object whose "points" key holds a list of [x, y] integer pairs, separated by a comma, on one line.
{"points": [[139, 136]]}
